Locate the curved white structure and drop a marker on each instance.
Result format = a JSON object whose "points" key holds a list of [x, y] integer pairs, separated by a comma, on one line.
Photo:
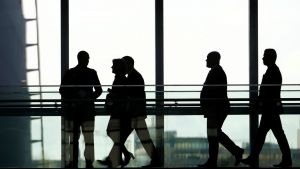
{"points": [[15, 143]]}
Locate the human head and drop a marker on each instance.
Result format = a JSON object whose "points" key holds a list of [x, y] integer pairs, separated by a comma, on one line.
{"points": [[119, 66], [130, 62], [270, 57], [213, 59], [83, 58]]}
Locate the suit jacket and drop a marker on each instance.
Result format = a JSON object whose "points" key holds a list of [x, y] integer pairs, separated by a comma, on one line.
{"points": [[82, 104], [118, 95], [136, 95], [270, 95], [214, 100], [119, 119]]}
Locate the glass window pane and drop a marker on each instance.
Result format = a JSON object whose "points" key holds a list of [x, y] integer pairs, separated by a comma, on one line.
{"points": [[49, 39], [113, 29], [181, 133], [43, 56], [186, 140], [50, 53], [192, 29], [271, 153], [108, 30], [279, 24]]}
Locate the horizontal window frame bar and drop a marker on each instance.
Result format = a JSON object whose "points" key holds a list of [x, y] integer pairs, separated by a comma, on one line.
{"points": [[235, 110]]}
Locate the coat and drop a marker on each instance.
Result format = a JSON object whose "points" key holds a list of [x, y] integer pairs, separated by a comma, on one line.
{"points": [[269, 93], [214, 99], [136, 95], [82, 98], [118, 96]]}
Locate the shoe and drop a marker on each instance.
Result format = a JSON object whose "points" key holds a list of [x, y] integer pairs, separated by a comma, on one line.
{"points": [[248, 161], [207, 164], [283, 164], [71, 165], [127, 158], [89, 164], [154, 164], [238, 157], [106, 162]]}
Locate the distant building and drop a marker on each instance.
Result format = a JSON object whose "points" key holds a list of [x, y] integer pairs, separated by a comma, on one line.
{"points": [[271, 154], [190, 151], [184, 151]]}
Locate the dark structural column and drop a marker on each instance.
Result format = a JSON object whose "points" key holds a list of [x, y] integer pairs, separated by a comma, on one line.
{"points": [[64, 62], [159, 74], [64, 36], [253, 69]]}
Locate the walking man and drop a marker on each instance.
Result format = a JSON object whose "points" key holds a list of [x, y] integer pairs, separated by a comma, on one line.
{"points": [[271, 107], [137, 112], [216, 106]]}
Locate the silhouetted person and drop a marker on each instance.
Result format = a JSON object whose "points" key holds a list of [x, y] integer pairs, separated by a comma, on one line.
{"points": [[79, 109], [271, 107], [138, 114], [119, 119], [216, 106]]}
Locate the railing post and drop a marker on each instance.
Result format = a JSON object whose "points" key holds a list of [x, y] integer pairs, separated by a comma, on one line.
{"points": [[253, 69], [159, 75]]}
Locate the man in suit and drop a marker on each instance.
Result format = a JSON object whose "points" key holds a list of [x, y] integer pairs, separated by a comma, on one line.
{"points": [[215, 106], [137, 112], [79, 108], [269, 102]]}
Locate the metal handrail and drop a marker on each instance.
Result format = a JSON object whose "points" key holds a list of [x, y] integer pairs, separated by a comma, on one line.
{"points": [[168, 105], [146, 85]]}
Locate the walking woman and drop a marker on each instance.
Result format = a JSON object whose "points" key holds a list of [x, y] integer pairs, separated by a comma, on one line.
{"points": [[119, 120]]}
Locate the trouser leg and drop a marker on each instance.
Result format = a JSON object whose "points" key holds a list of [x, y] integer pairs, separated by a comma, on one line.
{"points": [[281, 139], [126, 130], [225, 140], [228, 143], [88, 134], [142, 132], [67, 132], [262, 131], [212, 137], [73, 133], [113, 131]]}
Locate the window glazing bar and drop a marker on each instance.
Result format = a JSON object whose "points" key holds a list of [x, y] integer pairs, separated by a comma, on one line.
{"points": [[253, 69], [64, 62], [159, 74]]}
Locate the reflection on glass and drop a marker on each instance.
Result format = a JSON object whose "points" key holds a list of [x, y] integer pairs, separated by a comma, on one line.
{"points": [[103, 143], [186, 140], [271, 153]]}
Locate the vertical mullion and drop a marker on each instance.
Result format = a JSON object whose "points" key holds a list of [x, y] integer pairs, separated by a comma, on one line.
{"points": [[64, 64], [253, 69], [159, 75]]}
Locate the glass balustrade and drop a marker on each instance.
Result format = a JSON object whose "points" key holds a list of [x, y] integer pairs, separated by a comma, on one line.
{"points": [[184, 126]]}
